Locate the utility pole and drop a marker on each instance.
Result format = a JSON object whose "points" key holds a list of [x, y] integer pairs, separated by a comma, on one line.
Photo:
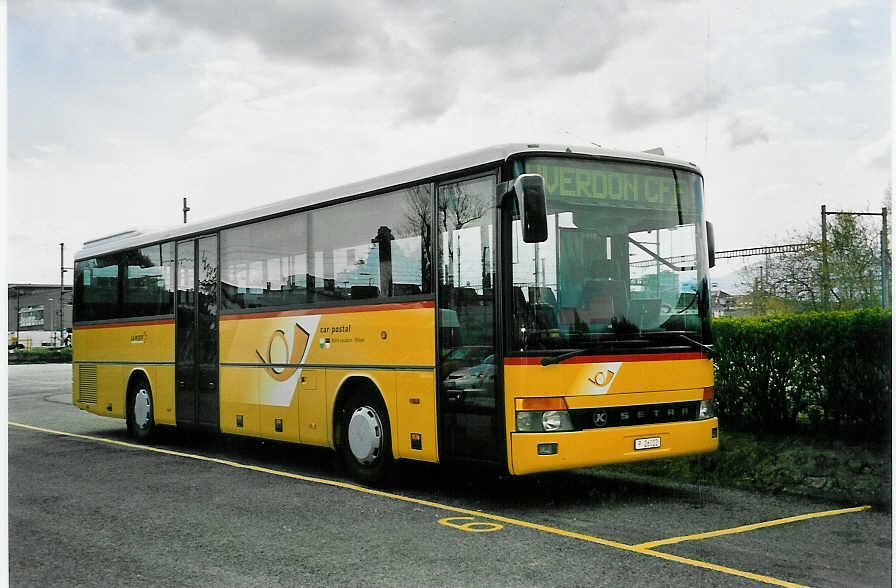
{"points": [[52, 316], [17, 317], [61, 292], [825, 278], [884, 261], [760, 288], [884, 256], [755, 296], [186, 210]]}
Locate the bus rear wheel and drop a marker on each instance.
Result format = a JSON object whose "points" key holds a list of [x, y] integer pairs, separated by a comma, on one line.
{"points": [[366, 444], [140, 420]]}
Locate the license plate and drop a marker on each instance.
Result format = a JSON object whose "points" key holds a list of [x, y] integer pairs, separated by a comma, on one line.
{"points": [[647, 443]]}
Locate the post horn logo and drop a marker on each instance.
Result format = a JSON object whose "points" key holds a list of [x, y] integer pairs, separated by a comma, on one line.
{"points": [[602, 377], [284, 371]]}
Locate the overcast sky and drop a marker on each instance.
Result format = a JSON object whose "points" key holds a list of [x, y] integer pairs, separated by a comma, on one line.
{"points": [[117, 109]]}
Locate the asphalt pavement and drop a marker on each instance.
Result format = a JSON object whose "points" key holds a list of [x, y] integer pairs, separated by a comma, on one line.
{"points": [[89, 507]]}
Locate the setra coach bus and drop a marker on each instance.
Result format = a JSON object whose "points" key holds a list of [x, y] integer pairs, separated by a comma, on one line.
{"points": [[539, 307]]}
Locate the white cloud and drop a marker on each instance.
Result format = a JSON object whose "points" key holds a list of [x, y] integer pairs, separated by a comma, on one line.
{"points": [[875, 154], [750, 126], [120, 108], [631, 112], [49, 149], [325, 33]]}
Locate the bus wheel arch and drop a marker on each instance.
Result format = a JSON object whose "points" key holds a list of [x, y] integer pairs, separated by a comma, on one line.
{"points": [[139, 406], [362, 431]]}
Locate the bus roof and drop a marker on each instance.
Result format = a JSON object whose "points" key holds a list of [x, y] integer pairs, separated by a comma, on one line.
{"points": [[495, 154]]}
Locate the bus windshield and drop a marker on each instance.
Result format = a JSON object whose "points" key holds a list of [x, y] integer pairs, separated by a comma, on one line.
{"points": [[625, 258]]}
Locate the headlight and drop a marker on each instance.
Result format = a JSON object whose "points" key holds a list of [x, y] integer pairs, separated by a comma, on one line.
{"points": [[556, 420], [536, 421], [707, 410], [528, 421]]}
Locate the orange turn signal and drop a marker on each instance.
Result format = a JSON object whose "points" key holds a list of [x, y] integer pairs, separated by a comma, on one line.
{"points": [[548, 403], [708, 393]]}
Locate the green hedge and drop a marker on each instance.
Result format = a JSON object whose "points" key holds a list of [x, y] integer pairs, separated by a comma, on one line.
{"points": [[828, 372], [41, 356]]}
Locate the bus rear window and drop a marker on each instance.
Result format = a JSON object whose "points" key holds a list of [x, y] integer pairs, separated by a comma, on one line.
{"points": [[97, 295]]}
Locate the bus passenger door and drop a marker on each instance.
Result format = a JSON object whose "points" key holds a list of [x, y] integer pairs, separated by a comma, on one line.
{"points": [[470, 394], [196, 341]]}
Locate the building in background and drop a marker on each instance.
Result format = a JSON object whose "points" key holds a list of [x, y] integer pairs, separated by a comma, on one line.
{"points": [[34, 314], [725, 304]]}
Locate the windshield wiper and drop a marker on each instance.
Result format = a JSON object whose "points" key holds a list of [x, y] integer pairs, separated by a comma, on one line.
{"points": [[683, 336], [558, 358], [585, 351]]}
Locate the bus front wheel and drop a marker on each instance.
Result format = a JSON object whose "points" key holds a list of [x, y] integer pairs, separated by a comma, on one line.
{"points": [[366, 444], [140, 410]]}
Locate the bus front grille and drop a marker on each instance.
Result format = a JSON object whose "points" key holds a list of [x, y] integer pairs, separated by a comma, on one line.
{"points": [[642, 414], [87, 384]]}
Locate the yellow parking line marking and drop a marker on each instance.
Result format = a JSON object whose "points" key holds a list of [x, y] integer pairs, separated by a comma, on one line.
{"points": [[434, 505], [744, 528], [472, 526]]}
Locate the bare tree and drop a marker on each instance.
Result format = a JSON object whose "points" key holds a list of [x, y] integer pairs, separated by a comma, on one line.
{"points": [[457, 209], [795, 281], [417, 216], [460, 208]]}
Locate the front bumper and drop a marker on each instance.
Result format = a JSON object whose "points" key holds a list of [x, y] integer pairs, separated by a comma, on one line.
{"points": [[594, 447]]}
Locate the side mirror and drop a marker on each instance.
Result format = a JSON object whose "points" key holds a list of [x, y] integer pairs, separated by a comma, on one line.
{"points": [[711, 244], [528, 190]]}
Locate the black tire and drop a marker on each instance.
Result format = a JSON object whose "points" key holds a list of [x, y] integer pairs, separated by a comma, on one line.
{"points": [[368, 454], [140, 411]]}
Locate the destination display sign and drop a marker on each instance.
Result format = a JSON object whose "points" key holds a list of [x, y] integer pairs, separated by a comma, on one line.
{"points": [[610, 184]]}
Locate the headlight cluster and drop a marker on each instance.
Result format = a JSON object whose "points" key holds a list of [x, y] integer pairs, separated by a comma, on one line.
{"points": [[707, 408], [540, 421]]}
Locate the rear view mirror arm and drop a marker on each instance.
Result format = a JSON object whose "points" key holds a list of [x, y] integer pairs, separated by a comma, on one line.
{"points": [[528, 190]]}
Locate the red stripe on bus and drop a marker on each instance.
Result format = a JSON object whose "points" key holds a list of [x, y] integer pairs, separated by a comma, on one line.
{"points": [[332, 310], [608, 358], [123, 324]]}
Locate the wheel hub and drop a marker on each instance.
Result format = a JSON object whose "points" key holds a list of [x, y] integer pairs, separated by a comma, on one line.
{"points": [[365, 435], [141, 408]]}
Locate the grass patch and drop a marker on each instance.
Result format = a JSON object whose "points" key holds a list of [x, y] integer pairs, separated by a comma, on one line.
{"points": [[802, 466]]}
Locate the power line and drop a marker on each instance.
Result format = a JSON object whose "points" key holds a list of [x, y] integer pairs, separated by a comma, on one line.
{"points": [[768, 250], [732, 253]]}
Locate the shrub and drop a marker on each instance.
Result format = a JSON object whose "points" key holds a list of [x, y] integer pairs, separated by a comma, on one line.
{"points": [[828, 371]]}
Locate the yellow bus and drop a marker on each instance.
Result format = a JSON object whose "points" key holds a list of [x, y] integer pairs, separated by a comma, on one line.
{"points": [[539, 307]]}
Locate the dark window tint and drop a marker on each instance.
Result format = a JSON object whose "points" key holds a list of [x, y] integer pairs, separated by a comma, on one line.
{"points": [[372, 248], [149, 283], [207, 281], [264, 263], [467, 268], [368, 250], [97, 288], [186, 301], [469, 398]]}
